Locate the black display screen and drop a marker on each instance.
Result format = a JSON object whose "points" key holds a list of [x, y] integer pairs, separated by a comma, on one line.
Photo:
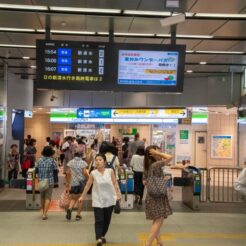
{"points": [[71, 65], [110, 67]]}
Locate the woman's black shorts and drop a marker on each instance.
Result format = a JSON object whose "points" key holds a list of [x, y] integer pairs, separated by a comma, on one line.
{"points": [[77, 189]]}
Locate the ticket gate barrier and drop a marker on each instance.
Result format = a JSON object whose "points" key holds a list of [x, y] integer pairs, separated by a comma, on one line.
{"points": [[191, 186], [33, 200]]}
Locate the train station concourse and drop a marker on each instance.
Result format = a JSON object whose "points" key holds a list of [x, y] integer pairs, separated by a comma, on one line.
{"points": [[123, 123]]}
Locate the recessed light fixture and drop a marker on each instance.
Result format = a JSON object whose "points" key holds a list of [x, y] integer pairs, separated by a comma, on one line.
{"points": [[189, 71], [220, 15], [10, 29], [133, 34], [23, 6], [26, 57], [203, 63], [150, 13], [33, 66], [18, 46], [85, 10], [73, 32]]}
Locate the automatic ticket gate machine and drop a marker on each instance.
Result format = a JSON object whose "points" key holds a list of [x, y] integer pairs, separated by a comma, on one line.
{"points": [[191, 191], [32, 194]]}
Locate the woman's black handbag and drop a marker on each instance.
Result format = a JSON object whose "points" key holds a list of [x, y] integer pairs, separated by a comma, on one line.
{"points": [[117, 207]]}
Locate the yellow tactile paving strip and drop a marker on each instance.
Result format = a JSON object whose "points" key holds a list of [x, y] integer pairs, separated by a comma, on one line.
{"points": [[168, 238]]}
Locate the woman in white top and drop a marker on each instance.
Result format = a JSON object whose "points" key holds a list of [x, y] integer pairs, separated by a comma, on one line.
{"points": [[137, 164], [105, 193]]}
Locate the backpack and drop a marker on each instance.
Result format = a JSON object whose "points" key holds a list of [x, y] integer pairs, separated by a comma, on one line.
{"points": [[109, 164]]}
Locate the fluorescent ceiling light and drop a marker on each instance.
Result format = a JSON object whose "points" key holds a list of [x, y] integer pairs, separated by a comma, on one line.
{"points": [[218, 15], [189, 71], [17, 46], [219, 52], [195, 36], [189, 51], [16, 29], [163, 35], [33, 67], [85, 10], [133, 34], [103, 33], [203, 63], [26, 57], [23, 7], [151, 13], [189, 14], [73, 32]]}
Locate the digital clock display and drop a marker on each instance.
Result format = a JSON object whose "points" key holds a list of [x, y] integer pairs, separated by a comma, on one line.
{"points": [[69, 61]]}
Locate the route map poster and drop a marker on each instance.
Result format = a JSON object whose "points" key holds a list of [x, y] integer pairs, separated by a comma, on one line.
{"points": [[221, 146]]}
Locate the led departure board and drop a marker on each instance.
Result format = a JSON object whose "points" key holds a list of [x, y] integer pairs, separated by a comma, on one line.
{"points": [[70, 62]]}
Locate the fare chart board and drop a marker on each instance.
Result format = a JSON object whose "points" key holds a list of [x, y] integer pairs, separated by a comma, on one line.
{"points": [[60, 61]]}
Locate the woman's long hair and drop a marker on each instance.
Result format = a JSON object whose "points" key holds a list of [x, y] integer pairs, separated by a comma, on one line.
{"points": [[148, 159]]}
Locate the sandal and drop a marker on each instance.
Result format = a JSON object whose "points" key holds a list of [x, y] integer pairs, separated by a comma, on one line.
{"points": [[78, 217], [44, 217]]}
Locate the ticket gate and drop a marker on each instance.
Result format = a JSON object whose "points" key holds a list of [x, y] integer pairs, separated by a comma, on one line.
{"points": [[33, 200], [192, 191]]}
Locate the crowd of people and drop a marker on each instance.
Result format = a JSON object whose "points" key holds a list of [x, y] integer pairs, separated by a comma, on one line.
{"points": [[100, 168]]}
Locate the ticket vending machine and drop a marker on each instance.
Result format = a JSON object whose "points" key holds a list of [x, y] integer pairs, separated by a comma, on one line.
{"points": [[33, 200]]}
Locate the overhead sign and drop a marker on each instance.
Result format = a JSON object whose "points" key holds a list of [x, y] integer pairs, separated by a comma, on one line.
{"points": [[93, 113], [150, 113]]}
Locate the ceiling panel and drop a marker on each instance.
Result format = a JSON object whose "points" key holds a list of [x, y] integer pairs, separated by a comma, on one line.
{"points": [[215, 45], [20, 20], [212, 68], [144, 25], [129, 4], [3, 38], [229, 59], [219, 6], [159, 5], [10, 52], [198, 58], [65, 22], [232, 28], [27, 39], [198, 27], [142, 40]]}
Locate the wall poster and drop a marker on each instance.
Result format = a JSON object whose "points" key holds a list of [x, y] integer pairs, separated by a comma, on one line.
{"points": [[221, 146]]}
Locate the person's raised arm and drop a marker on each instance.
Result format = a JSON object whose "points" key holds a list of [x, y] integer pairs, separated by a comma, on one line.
{"points": [[156, 153]]}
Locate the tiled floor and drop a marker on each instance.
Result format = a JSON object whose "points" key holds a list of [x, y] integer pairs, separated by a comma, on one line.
{"points": [[180, 229]]}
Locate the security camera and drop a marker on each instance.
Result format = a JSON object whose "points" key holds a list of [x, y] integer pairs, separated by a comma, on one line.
{"points": [[173, 20], [52, 98]]}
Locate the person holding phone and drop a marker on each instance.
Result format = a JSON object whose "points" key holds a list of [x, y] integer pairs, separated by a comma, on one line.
{"points": [[105, 193]]}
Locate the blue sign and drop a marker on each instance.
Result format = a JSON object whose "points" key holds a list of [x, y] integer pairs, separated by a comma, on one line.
{"points": [[64, 52], [64, 69], [93, 113], [64, 61]]}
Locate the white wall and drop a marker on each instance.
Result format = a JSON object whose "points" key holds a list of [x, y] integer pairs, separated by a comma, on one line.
{"points": [[188, 149]]}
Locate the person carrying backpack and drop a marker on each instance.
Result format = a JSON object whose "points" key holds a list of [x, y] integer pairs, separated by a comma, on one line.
{"points": [[112, 161]]}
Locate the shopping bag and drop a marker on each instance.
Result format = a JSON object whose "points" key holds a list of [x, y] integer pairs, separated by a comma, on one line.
{"points": [[64, 200], [43, 185]]}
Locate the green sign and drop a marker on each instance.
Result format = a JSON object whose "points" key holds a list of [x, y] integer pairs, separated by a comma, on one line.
{"points": [[184, 134]]}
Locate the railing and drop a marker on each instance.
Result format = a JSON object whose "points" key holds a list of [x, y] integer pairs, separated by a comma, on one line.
{"points": [[221, 181], [204, 185]]}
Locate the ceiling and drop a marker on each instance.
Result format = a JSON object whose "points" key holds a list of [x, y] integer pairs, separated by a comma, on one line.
{"points": [[225, 33]]}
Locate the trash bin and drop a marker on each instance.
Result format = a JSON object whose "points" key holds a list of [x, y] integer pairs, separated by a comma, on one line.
{"points": [[33, 200]]}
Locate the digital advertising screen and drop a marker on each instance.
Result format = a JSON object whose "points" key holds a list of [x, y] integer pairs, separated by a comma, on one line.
{"points": [[140, 67], [150, 67]]}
